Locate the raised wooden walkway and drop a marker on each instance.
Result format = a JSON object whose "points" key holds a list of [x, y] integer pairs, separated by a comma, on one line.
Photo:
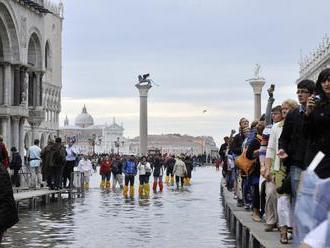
{"points": [[248, 233], [42, 195]]}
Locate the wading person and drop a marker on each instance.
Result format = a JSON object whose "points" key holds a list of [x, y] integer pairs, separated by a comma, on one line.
{"points": [[179, 171], [8, 211], [86, 168], [157, 174], [169, 163], [130, 170], [144, 169], [117, 171], [105, 171], [57, 161], [189, 166]]}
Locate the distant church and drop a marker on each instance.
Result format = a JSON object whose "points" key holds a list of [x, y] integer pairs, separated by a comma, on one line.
{"points": [[91, 138]]}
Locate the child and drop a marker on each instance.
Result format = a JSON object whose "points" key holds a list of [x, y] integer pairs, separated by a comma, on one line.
{"points": [[85, 167]]}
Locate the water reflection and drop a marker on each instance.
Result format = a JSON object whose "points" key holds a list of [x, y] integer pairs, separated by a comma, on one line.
{"points": [[189, 218]]}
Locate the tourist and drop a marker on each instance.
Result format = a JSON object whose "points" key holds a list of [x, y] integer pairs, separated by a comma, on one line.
{"points": [[144, 169], [86, 168], [105, 172], [253, 178], [70, 161], [130, 170], [4, 159], [157, 174], [15, 165], [46, 158], [235, 151], [180, 171], [317, 123], [8, 211], [189, 166], [117, 170], [265, 170], [292, 143], [57, 160], [169, 164], [34, 158], [279, 173]]}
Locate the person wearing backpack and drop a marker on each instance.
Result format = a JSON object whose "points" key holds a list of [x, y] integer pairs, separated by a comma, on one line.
{"points": [[15, 165]]}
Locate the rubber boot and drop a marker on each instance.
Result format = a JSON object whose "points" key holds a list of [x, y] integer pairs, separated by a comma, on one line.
{"points": [[185, 181], [172, 181], [86, 185], [131, 191], [125, 191], [140, 190], [161, 186], [167, 180], [102, 184], [108, 184], [146, 189], [154, 186]]}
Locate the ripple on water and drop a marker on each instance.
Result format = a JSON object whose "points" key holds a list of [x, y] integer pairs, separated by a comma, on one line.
{"points": [[189, 218]]}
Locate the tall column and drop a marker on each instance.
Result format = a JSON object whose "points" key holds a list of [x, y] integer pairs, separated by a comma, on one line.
{"points": [[143, 90], [7, 84], [257, 85], [15, 136], [2, 93], [21, 137], [6, 129]]}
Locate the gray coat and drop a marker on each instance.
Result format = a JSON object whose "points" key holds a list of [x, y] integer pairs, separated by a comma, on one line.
{"points": [[179, 168]]}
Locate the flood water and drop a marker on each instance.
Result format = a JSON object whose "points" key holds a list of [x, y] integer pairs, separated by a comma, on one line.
{"points": [[190, 218]]}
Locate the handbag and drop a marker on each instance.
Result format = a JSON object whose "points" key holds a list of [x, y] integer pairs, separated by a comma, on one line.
{"points": [[245, 164]]}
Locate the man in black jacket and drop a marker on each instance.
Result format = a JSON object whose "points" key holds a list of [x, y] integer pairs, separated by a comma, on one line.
{"points": [[8, 211], [292, 143]]}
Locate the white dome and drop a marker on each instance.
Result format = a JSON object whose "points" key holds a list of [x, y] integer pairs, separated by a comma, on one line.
{"points": [[84, 119]]}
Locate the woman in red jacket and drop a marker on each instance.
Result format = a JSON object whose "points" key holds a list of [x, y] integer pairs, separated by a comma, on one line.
{"points": [[105, 172]]}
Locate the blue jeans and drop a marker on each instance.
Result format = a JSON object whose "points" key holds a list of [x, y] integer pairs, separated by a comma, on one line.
{"points": [[295, 173], [304, 221]]}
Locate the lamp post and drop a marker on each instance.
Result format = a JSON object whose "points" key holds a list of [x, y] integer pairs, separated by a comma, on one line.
{"points": [[117, 144], [94, 141]]}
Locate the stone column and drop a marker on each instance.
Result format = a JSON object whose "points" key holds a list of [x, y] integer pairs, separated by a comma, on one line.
{"points": [[15, 136], [7, 84], [143, 90], [6, 129], [257, 85], [21, 137]]}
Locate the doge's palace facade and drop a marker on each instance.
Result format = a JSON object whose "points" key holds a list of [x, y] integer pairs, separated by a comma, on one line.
{"points": [[30, 71]]}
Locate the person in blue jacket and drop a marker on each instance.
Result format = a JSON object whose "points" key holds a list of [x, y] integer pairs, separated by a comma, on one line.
{"points": [[130, 171]]}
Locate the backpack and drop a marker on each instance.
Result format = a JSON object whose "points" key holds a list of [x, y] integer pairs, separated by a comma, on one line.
{"points": [[59, 156]]}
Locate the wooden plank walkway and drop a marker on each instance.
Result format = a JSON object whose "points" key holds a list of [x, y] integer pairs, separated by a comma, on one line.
{"points": [[249, 234]]}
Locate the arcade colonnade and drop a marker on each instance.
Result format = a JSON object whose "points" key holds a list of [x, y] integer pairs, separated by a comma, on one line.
{"points": [[30, 78]]}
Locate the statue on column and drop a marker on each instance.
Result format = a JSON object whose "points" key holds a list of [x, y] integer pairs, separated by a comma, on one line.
{"points": [[257, 71], [25, 89]]}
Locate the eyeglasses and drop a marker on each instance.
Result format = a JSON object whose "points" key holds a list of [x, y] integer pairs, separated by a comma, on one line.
{"points": [[276, 113], [303, 91]]}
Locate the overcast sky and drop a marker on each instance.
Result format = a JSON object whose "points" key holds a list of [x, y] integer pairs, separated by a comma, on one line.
{"points": [[200, 52]]}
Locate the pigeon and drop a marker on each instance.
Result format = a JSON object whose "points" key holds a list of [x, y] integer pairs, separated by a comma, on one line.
{"points": [[204, 111]]}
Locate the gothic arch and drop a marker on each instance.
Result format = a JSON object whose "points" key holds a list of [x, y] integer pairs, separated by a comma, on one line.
{"points": [[8, 35], [34, 51], [27, 139], [48, 55]]}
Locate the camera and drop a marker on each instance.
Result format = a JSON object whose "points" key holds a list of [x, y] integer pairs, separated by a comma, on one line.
{"points": [[317, 99]]}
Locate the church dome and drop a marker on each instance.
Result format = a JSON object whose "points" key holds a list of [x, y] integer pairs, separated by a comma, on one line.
{"points": [[84, 119]]}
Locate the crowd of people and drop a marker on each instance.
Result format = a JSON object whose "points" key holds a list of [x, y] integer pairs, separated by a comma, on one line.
{"points": [[267, 165], [54, 165]]}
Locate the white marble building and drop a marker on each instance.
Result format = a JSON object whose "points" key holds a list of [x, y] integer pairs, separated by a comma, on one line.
{"points": [[30, 71], [95, 138], [313, 64]]}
